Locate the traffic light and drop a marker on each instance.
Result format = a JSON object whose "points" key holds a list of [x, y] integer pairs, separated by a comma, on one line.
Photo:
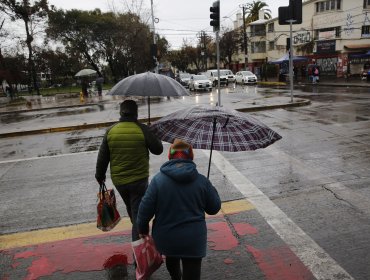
{"points": [[287, 44], [215, 16], [153, 54]]}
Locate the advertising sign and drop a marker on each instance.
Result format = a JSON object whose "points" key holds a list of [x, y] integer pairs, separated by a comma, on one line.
{"points": [[327, 46]]}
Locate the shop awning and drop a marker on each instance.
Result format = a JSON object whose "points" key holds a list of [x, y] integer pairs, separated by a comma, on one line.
{"points": [[359, 55], [358, 47]]}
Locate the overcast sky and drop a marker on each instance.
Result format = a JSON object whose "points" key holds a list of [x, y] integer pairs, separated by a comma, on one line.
{"points": [[178, 20]]}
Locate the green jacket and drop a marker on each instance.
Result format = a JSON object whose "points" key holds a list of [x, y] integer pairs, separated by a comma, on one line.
{"points": [[126, 146]]}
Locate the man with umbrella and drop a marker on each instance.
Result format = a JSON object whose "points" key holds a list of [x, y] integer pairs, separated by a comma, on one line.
{"points": [[126, 146]]}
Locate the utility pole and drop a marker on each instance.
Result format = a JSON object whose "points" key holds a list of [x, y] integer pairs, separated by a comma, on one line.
{"points": [[154, 40], [245, 38], [205, 51]]}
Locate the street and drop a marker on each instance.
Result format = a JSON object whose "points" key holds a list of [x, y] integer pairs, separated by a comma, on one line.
{"points": [[310, 190]]}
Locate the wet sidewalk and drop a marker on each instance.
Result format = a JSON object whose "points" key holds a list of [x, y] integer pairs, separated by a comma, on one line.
{"points": [[58, 113]]}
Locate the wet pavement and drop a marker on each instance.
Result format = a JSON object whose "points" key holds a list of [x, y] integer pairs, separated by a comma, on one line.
{"points": [[45, 114], [298, 209]]}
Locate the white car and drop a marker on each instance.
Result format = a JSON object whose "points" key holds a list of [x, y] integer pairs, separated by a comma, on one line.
{"points": [[245, 77], [200, 82], [230, 76], [213, 77], [183, 79]]}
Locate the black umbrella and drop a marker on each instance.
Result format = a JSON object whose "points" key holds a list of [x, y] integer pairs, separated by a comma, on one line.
{"points": [[148, 84], [207, 127]]}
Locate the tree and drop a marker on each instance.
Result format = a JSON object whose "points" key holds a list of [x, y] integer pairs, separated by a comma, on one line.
{"points": [[12, 69], [178, 60], [23, 10], [229, 45], [74, 29], [121, 41], [252, 10]]}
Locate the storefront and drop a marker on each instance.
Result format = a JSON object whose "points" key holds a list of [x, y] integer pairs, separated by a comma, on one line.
{"points": [[358, 63]]}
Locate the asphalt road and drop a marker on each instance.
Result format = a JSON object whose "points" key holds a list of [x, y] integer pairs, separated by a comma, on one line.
{"points": [[312, 187]]}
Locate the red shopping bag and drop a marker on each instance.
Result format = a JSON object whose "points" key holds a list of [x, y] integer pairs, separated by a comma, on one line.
{"points": [[147, 258], [108, 216]]}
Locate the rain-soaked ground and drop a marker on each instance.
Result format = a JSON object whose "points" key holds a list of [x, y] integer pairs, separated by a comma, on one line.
{"points": [[311, 187], [323, 98]]}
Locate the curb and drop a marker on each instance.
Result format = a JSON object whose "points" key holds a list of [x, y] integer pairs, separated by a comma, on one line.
{"points": [[143, 120], [50, 108]]}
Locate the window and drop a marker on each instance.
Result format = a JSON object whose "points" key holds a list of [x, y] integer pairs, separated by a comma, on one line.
{"points": [[270, 27], [329, 5], [366, 4], [258, 30], [328, 33], [271, 45], [258, 47], [365, 31]]}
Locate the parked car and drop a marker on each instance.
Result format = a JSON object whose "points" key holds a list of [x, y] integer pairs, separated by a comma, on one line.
{"points": [[229, 74], [200, 82], [183, 79], [212, 75], [245, 77]]}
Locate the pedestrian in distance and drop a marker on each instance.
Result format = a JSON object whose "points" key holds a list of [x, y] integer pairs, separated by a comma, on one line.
{"points": [[178, 198], [316, 74], [125, 147], [99, 85], [85, 87]]}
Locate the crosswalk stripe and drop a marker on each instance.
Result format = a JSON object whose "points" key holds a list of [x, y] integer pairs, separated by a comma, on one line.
{"points": [[35, 237], [310, 253]]}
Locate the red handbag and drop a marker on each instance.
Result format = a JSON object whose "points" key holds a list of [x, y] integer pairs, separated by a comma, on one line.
{"points": [[147, 258], [108, 216]]}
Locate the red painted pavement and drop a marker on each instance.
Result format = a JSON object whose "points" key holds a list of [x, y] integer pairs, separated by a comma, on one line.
{"points": [[97, 253]]}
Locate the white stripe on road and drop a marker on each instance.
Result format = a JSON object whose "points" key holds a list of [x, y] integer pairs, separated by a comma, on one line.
{"points": [[309, 252], [45, 157]]}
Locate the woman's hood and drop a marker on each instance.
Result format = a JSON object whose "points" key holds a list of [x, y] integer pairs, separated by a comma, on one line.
{"points": [[181, 170]]}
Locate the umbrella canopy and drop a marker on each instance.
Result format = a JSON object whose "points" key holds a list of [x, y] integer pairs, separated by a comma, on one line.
{"points": [[207, 127], [148, 84], [285, 58], [85, 72], [233, 131]]}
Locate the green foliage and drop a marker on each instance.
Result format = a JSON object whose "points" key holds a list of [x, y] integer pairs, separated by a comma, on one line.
{"points": [[229, 44], [253, 9]]}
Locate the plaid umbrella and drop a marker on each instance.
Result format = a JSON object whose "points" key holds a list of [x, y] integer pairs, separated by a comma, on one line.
{"points": [[207, 127]]}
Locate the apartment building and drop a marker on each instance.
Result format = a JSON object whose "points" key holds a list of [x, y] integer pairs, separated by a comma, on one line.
{"points": [[334, 34]]}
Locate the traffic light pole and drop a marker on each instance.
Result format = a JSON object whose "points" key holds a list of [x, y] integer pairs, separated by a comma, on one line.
{"points": [[291, 78], [218, 68], [215, 22]]}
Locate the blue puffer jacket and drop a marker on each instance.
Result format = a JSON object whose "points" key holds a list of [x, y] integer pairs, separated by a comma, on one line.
{"points": [[178, 197]]}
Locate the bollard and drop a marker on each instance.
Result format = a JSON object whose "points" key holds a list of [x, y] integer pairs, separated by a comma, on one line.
{"points": [[81, 97]]}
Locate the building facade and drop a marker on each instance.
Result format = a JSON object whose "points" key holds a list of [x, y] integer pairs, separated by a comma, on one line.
{"points": [[334, 34]]}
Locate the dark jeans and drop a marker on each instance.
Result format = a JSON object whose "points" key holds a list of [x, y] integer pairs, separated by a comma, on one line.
{"points": [[131, 195], [191, 268]]}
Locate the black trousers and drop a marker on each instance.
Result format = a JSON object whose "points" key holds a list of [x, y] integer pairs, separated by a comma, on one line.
{"points": [[191, 268], [132, 194]]}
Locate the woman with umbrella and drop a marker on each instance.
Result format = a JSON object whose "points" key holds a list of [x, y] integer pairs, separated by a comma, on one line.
{"points": [[178, 197]]}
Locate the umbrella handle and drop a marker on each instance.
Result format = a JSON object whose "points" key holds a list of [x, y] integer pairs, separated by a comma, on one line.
{"points": [[210, 155], [148, 110]]}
